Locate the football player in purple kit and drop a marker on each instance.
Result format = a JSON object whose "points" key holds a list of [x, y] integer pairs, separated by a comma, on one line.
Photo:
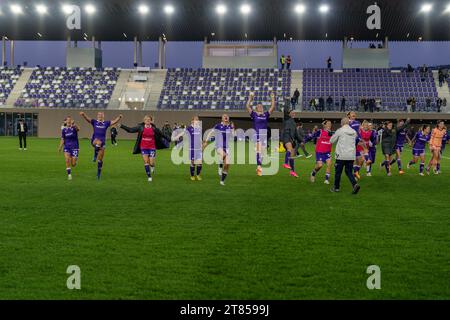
{"points": [[98, 140], [260, 124], [69, 139], [372, 149], [420, 143], [194, 132], [223, 133], [402, 136]]}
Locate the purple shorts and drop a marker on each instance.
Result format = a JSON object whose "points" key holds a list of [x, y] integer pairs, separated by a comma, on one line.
{"points": [[399, 148], [102, 141], [261, 138], [358, 154], [323, 157], [149, 152], [196, 155], [372, 154], [418, 152], [73, 152]]}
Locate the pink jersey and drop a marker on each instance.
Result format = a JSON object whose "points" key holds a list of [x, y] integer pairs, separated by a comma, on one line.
{"points": [[365, 137], [323, 144], [148, 139]]}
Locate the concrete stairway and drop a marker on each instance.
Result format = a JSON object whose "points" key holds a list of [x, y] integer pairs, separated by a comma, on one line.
{"points": [[156, 82], [297, 83], [119, 88], [20, 85], [443, 91]]}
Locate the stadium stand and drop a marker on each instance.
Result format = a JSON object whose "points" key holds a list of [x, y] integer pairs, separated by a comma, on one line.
{"points": [[8, 78], [69, 88], [222, 89], [392, 87]]}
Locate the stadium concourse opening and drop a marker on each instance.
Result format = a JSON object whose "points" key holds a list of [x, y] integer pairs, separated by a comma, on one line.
{"points": [[215, 152]]}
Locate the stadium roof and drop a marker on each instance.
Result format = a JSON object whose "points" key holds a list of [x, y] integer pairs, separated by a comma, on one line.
{"points": [[195, 19]]}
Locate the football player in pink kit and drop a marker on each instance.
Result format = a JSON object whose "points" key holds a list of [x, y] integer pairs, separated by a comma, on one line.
{"points": [[323, 151], [366, 134]]}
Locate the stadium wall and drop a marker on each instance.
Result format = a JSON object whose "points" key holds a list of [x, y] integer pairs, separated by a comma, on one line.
{"points": [[305, 54], [50, 120]]}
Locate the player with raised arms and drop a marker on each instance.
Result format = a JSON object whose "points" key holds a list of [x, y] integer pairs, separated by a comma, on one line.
{"points": [[149, 139], [223, 133], [69, 140], [289, 138], [437, 135], [323, 150], [194, 133], [98, 140], [419, 143], [260, 124]]}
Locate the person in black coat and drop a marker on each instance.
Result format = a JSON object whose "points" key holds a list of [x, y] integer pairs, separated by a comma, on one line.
{"points": [[22, 131], [149, 139]]}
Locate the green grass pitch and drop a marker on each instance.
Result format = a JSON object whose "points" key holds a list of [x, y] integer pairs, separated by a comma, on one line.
{"points": [[271, 237]]}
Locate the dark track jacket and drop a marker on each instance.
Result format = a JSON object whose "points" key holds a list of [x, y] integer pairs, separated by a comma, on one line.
{"points": [[160, 139]]}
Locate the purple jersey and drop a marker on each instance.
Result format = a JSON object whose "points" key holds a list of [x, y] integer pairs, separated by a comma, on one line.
{"points": [[373, 140], [100, 129], [260, 121], [401, 137], [355, 125], [70, 136], [223, 135], [421, 141], [195, 137], [444, 141]]}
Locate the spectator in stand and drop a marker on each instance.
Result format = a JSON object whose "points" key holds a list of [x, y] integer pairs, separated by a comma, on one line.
{"points": [[313, 104], [329, 63], [441, 78], [378, 104], [329, 103], [408, 105], [363, 103], [372, 105], [343, 101], [321, 104], [427, 104], [409, 68], [288, 62], [282, 61], [413, 104], [296, 96], [438, 104], [293, 104], [423, 72]]}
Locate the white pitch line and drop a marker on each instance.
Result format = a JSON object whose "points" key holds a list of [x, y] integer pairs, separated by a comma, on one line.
{"points": [[445, 157]]}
